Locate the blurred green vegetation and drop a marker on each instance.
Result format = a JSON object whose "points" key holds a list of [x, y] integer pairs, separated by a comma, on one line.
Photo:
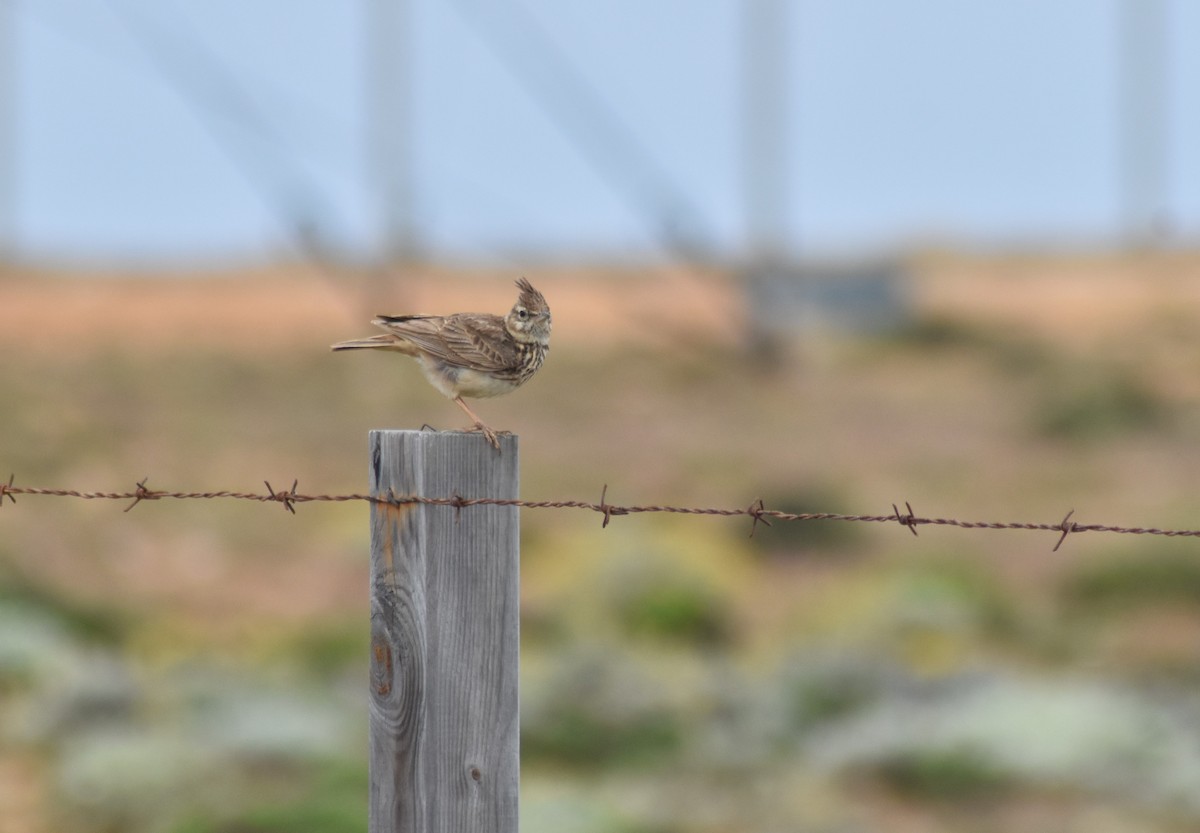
{"points": [[331, 800], [1148, 576], [91, 623], [574, 735], [1096, 403], [1014, 352], [676, 610], [807, 538], [958, 775]]}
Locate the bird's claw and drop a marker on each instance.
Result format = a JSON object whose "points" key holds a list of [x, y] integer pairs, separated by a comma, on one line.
{"points": [[488, 434]]}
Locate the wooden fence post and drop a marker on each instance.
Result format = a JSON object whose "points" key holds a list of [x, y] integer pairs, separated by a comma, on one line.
{"points": [[444, 725]]}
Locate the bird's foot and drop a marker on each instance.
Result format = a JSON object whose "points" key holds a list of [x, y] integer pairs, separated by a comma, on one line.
{"points": [[491, 436]]}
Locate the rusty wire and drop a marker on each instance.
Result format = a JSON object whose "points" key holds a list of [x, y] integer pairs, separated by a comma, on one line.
{"points": [[756, 511]]}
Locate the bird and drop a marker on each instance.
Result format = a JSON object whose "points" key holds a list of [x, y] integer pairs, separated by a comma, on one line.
{"points": [[470, 354]]}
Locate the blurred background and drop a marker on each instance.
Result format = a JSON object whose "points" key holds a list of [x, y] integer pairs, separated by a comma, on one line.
{"points": [[834, 255]]}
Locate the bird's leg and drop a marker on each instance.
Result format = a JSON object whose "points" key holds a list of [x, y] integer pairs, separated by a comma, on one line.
{"points": [[479, 426]]}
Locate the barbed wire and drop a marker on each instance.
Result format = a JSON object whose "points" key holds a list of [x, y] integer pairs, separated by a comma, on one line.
{"points": [[756, 511]]}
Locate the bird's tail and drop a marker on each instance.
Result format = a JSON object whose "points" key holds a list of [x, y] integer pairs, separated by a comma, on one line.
{"points": [[377, 342]]}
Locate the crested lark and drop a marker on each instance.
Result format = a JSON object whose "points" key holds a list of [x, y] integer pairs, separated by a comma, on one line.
{"points": [[470, 354]]}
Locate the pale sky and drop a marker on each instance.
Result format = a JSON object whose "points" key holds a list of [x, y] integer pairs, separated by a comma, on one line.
{"points": [[170, 130]]}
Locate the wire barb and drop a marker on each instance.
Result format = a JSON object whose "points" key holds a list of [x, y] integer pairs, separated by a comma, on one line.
{"points": [[141, 494], [287, 498], [755, 511], [6, 490], [909, 520], [1067, 526], [458, 502], [608, 510]]}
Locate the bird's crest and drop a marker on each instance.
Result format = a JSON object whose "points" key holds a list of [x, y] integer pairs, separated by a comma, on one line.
{"points": [[530, 298]]}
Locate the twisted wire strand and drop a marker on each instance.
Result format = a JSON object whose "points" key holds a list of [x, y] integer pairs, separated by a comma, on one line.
{"points": [[756, 511]]}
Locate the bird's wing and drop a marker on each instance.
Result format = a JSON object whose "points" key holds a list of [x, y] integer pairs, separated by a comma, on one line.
{"points": [[464, 340]]}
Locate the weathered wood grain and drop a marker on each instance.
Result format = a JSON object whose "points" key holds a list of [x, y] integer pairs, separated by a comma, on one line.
{"points": [[444, 744]]}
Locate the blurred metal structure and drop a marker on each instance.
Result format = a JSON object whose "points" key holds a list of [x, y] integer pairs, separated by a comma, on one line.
{"points": [[765, 157], [8, 128], [768, 273], [791, 302], [390, 138], [608, 144], [791, 296], [1143, 115]]}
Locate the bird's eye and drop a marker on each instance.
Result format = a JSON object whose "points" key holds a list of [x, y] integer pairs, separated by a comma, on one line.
{"points": [[522, 314]]}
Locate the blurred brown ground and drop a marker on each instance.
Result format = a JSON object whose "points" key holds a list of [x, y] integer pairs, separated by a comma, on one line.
{"points": [[290, 306], [1072, 298]]}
